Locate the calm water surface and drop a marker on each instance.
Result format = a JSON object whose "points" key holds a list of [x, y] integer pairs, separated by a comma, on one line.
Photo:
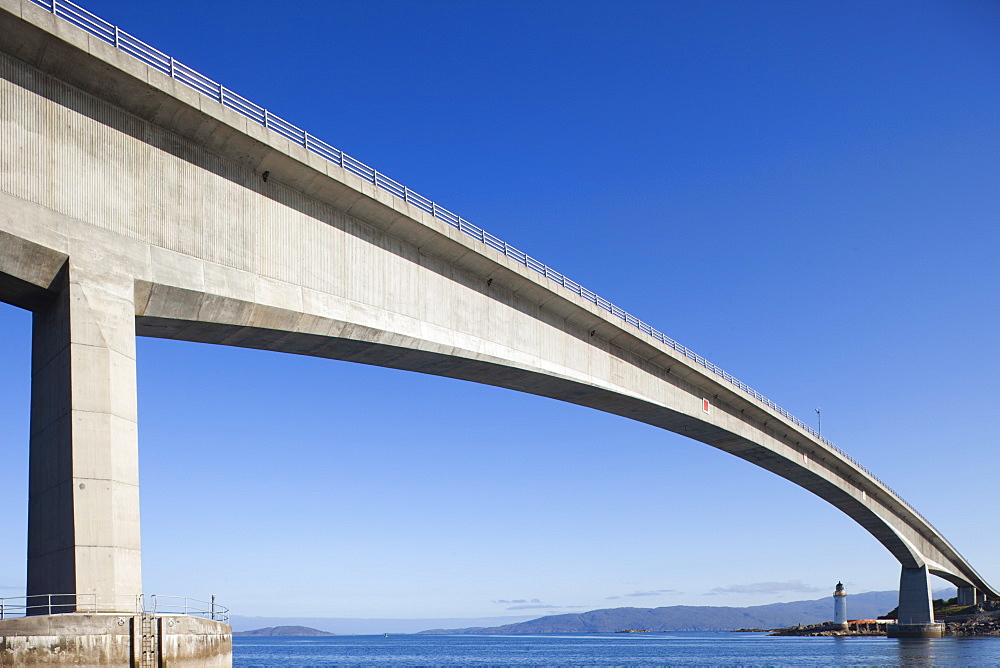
{"points": [[652, 649]]}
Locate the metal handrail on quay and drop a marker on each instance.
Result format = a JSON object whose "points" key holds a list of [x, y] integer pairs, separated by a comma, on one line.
{"points": [[184, 605], [54, 604]]}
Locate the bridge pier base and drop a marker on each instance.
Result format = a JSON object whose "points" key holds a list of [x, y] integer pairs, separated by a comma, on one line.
{"points": [[109, 639], [915, 630], [915, 616]]}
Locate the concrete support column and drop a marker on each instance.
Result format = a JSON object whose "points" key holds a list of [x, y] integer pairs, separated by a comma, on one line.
{"points": [[915, 603], [967, 595], [83, 507], [916, 610]]}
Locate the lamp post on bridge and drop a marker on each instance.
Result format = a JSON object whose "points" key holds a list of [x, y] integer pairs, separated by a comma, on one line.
{"points": [[819, 422]]}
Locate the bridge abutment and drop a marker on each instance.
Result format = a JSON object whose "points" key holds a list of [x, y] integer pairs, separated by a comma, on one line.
{"points": [[83, 507]]}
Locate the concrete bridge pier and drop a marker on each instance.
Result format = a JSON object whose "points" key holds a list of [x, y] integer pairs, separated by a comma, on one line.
{"points": [[84, 588], [915, 618], [970, 596], [83, 489]]}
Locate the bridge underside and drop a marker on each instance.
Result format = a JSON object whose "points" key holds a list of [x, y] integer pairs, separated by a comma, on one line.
{"points": [[70, 336], [84, 519]]}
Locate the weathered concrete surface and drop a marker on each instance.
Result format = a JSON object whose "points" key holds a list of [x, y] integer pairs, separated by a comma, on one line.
{"points": [[86, 640], [111, 164], [194, 642], [113, 640], [931, 630]]}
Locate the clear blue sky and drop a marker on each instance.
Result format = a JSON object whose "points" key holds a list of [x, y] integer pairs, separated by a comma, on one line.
{"points": [[805, 193]]}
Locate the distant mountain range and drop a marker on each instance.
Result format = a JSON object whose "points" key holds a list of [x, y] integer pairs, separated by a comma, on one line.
{"points": [[676, 618], [696, 618], [284, 631], [363, 626]]}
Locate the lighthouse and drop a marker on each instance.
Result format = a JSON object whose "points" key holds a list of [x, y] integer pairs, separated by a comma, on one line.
{"points": [[840, 607]]}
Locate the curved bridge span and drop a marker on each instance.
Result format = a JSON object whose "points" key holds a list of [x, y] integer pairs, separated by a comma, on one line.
{"points": [[135, 203]]}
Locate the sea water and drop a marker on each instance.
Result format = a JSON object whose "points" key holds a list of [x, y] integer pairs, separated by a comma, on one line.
{"points": [[746, 650]]}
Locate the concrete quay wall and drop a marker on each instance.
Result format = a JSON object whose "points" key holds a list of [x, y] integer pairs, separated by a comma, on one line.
{"points": [[95, 640], [213, 229], [194, 642]]}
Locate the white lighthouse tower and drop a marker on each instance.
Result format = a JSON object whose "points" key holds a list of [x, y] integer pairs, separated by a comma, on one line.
{"points": [[840, 607]]}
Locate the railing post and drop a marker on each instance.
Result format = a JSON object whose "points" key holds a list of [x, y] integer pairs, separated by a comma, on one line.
{"points": [[171, 67], [117, 41], [54, 6], [213, 607]]}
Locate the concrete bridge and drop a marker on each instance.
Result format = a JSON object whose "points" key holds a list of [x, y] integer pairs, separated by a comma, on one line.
{"points": [[138, 197]]}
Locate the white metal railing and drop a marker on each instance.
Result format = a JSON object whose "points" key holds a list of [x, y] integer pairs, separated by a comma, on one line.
{"points": [[184, 605], [54, 604], [156, 59]]}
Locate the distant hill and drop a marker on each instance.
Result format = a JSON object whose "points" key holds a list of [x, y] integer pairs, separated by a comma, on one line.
{"points": [[345, 626], [696, 618], [284, 631]]}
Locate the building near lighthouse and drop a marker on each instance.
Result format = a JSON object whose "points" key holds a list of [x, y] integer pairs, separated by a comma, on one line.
{"points": [[840, 607]]}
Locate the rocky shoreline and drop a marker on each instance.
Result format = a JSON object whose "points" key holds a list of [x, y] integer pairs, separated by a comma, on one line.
{"points": [[828, 629], [976, 624], [982, 619]]}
